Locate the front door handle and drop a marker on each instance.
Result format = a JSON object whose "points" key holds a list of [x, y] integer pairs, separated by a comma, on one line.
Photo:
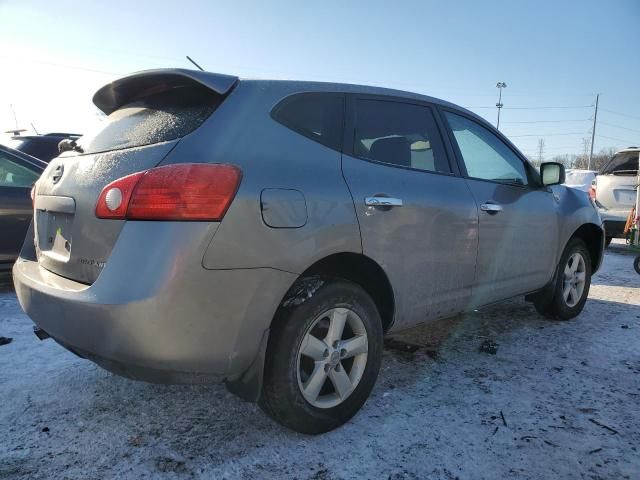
{"points": [[491, 208], [383, 202]]}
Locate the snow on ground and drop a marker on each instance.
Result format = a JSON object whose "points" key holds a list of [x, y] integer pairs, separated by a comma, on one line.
{"points": [[559, 400]]}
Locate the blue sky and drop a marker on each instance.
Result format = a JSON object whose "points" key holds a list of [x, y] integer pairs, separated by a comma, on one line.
{"points": [[550, 54]]}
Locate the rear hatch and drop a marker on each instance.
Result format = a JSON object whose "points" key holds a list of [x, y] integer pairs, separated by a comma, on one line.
{"points": [[616, 184], [148, 114]]}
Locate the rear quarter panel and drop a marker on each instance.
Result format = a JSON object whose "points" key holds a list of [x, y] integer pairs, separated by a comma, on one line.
{"points": [[271, 156]]}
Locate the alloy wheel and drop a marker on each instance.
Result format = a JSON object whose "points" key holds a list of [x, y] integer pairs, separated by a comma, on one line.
{"points": [[574, 280], [332, 357]]}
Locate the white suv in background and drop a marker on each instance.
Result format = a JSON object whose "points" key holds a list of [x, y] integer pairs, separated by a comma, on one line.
{"points": [[614, 191], [580, 179]]}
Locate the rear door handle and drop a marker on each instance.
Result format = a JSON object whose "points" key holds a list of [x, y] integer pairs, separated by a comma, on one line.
{"points": [[383, 202], [491, 208]]}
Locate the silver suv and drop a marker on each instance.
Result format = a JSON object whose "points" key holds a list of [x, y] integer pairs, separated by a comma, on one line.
{"points": [[614, 191], [269, 233]]}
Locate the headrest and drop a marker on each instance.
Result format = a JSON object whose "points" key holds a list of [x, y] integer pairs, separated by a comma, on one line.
{"points": [[396, 150]]}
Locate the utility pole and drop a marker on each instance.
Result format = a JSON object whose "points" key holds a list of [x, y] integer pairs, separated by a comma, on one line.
{"points": [[585, 153], [540, 151], [593, 131], [500, 86]]}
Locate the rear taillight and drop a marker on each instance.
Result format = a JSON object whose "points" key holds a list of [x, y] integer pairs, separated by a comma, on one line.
{"points": [[592, 190], [186, 191], [114, 198]]}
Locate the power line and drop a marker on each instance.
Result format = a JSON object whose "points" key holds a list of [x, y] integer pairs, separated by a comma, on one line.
{"points": [[537, 108], [548, 134], [551, 121], [568, 147], [620, 113], [61, 65], [618, 139], [620, 126]]}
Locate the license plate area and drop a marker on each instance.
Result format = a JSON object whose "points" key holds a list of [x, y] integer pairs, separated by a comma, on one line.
{"points": [[54, 235], [54, 222], [625, 197]]}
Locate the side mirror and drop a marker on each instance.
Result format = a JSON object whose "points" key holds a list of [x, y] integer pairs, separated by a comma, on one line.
{"points": [[552, 173]]}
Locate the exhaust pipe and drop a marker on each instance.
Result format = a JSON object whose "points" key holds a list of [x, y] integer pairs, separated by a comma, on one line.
{"points": [[40, 333]]}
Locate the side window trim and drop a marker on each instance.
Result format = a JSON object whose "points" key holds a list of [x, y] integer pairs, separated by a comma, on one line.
{"points": [[533, 180], [350, 131]]}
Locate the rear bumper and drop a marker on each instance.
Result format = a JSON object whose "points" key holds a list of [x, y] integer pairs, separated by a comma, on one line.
{"points": [[613, 222], [614, 228], [169, 321]]}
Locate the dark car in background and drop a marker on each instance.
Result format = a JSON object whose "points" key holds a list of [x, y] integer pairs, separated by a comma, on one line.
{"points": [[18, 173], [43, 147]]}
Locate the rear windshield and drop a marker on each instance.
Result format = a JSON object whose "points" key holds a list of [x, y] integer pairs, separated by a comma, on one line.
{"points": [[156, 118], [625, 163]]}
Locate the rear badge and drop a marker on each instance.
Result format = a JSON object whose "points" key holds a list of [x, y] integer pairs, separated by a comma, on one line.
{"points": [[57, 174], [92, 262]]}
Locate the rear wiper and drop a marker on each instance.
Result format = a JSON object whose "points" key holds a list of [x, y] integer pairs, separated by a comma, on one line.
{"points": [[69, 144]]}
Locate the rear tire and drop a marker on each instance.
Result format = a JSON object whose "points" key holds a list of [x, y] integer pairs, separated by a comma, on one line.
{"points": [[569, 294], [323, 357]]}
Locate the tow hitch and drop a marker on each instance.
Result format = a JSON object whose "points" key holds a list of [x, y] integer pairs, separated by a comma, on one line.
{"points": [[40, 333]]}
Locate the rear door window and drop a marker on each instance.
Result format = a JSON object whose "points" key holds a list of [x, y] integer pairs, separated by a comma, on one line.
{"points": [[625, 163], [401, 134], [318, 116], [159, 117]]}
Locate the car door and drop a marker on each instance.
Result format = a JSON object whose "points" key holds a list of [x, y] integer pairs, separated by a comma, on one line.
{"points": [[417, 218], [518, 224], [16, 180]]}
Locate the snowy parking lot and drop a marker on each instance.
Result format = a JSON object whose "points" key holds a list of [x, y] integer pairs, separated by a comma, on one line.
{"points": [[500, 393]]}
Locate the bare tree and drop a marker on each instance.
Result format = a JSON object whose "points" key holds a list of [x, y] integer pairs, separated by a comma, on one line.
{"points": [[564, 159], [597, 162]]}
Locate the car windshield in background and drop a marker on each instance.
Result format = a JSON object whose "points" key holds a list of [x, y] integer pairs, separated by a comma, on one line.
{"points": [[13, 174], [625, 163], [157, 118]]}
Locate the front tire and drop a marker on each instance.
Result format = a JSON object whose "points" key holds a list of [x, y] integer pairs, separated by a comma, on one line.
{"points": [[569, 294], [323, 357]]}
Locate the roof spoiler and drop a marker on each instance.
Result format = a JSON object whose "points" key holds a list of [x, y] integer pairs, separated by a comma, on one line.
{"points": [[127, 89]]}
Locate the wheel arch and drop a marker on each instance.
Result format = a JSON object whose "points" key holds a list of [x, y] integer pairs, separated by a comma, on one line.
{"points": [[593, 236], [354, 267], [363, 271]]}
